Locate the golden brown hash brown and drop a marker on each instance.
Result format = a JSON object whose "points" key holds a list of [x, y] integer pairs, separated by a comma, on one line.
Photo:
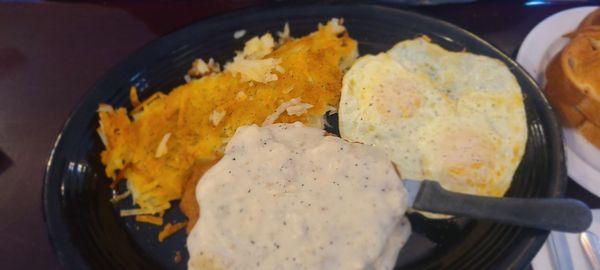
{"points": [[156, 146]]}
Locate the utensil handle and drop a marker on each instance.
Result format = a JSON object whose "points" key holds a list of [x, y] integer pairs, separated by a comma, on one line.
{"points": [[566, 215]]}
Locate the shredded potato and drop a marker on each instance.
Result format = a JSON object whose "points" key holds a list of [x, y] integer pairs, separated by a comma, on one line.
{"points": [[149, 219], [162, 149], [284, 36], [201, 68], [216, 117], [258, 47], [177, 258], [170, 229], [120, 197], [139, 211], [133, 97], [258, 70], [310, 67], [298, 109], [293, 107]]}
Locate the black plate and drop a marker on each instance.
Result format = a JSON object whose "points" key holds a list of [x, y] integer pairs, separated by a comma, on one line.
{"points": [[87, 232]]}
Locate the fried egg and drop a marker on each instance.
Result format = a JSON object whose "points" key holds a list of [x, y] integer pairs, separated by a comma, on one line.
{"points": [[454, 117]]}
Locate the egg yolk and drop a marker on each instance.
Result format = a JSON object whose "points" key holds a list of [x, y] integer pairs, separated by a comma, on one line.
{"points": [[397, 95], [464, 161]]}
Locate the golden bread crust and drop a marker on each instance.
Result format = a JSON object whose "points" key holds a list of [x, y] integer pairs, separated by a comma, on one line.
{"points": [[591, 20], [580, 62], [591, 110], [591, 132], [558, 87]]}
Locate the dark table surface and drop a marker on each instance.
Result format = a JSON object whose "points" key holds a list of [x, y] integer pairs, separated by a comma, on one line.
{"points": [[51, 53]]}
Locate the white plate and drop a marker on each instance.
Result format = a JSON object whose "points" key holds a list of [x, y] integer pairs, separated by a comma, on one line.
{"points": [[538, 48]]}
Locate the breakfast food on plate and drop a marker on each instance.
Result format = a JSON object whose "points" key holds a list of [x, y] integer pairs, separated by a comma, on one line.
{"points": [[454, 117], [287, 196], [169, 137], [573, 80], [591, 21]]}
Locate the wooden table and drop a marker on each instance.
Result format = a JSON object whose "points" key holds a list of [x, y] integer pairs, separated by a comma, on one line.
{"points": [[51, 53]]}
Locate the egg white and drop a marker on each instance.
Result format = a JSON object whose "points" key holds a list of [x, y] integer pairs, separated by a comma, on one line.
{"points": [[383, 104], [454, 117]]}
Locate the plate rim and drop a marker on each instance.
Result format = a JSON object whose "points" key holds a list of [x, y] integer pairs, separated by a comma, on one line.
{"points": [[70, 257]]}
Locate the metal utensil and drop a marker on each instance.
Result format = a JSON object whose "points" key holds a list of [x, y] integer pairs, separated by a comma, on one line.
{"points": [[559, 251], [566, 215], [591, 247]]}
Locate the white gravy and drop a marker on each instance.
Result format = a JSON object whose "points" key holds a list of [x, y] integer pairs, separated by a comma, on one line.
{"points": [[286, 196]]}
